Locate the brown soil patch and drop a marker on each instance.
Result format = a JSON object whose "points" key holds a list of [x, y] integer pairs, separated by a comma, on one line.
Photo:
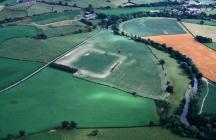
{"points": [[203, 57]]}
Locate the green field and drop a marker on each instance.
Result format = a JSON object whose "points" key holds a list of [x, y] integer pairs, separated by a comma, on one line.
{"points": [[8, 13], [36, 105], [211, 45], [95, 62], [197, 21], [145, 1], [149, 26], [145, 133], [64, 30], [209, 104], [41, 50], [40, 8], [140, 68], [11, 71], [9, 32], [120, 11], [55, 17], [176, 77]]}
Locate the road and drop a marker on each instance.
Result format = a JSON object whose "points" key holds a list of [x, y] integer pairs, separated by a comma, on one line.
{"points": [[46, 65]]}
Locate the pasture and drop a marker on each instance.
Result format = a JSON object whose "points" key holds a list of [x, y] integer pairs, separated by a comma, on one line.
{"points": [[120, 11], [152, 26], [203, 57], [209, 101], [211, 45], [19, 31], [135, 64], [41, 50], [197, 21], [55, 17], [153, 133], [203, 30], [8, 13], [11, 71], [36, 105], [64, 30]]}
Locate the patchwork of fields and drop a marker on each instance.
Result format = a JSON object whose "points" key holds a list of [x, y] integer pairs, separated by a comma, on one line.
{"points": [[69, 98], [203, 57], [150, 26], [135, 64]]}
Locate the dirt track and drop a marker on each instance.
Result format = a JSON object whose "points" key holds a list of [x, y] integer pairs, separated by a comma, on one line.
{"points": [[203, 57]]}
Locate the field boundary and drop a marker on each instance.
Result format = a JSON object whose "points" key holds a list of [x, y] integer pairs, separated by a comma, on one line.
{"points": [[43, 67]]}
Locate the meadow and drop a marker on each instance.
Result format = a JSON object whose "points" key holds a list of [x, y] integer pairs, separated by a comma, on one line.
{"points": [[36, 105], [55, 17], [140, 68], [209, 104], [211, 45], [11, 71], [197, 21], [8, 13], [41, 50], [120, 11], [149, 26], [153, 133], [17, 31]]}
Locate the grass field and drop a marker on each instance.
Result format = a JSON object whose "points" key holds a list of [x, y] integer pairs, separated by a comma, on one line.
{"points": [[149, 26], [40, 8], [36, 105], [153, 133], [203, 30], [145, 1], [41, 50], [209, 104], [197, 21], [119, 11], [211, 12], [7, 13], [95, 62], [9, 32], [11, 71], [203, 57], [55, 17], [211, 45], [176, 77], [139, 68], [64, 30]]}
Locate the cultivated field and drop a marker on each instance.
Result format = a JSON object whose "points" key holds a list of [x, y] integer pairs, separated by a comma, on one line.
{"points": [[132, 62], [203, 30], [203, 57], [41, 50], [153, 133], [52, 96], [55, 17], [19, 31], [11, 71], [150, 26]]}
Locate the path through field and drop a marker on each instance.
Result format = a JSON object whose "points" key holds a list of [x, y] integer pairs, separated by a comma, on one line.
{"points": [[207, 91]]}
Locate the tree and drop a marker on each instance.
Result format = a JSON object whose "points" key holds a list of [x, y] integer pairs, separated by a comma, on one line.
{"points": [[94, 133], [21, 133], [169, 89], [65, 124], [202, 22], [151, 123], [73, 124], [162, 62]]}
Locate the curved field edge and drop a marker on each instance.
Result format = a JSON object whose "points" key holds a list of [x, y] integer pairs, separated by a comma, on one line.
{"points": [[52, 96], [11, 71], [149, 133], [152, 26]]}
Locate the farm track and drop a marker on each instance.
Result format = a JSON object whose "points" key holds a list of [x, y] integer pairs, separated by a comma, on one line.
{"points": [[46, 65]]}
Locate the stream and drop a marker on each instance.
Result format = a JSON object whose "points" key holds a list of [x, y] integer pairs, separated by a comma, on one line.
{"points": [[183, 116]]}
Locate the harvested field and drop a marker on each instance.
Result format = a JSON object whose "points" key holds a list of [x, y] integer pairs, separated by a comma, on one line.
{"points": [[36, 105], [152, 26], [203, 57], [203, 30], [135, 64]]}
